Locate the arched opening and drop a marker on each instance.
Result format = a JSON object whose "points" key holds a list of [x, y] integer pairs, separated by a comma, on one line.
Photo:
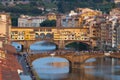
{"points": [[49, 36], [42, 36], [43, 46], [36, 35], [54, 67], [18, 46], [78, 46]]}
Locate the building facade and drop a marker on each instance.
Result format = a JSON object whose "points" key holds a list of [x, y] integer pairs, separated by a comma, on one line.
{"points": [[79, 18], [29, 21], [22, 34], [117, 1], [51, 16], [5, 27]]}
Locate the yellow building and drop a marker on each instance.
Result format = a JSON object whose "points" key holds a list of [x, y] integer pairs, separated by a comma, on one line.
{"points": [[81, 34], [78, 19], [71, 34], [22, 34], [86, 13], [5, 25]]}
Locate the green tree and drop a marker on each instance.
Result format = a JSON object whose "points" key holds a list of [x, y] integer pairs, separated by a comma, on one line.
{"points": [[48, 23], [14, 21]]}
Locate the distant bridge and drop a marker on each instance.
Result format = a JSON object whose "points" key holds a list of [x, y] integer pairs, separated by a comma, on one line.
{"points": [[74, 58]]}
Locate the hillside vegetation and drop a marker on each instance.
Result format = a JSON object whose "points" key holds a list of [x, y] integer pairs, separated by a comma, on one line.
{"points": [[62, 6]]}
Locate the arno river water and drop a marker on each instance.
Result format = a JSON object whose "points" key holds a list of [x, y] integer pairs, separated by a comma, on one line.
{"points": [[55, 68], [100, 69]]}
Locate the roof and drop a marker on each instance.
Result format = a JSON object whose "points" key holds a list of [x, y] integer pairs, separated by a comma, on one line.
{"points": [[10, 48]]}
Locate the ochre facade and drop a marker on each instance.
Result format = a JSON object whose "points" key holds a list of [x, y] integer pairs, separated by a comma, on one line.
{"points": [[60, 36]]}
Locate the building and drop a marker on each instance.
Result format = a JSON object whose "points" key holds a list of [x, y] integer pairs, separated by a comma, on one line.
{"points": [[79, 18], [14, 2], [118, 35], [5, 28], [30, 21], [116, 1], [51, 16], [70, 21], [115, 12], [71, 34], [5, 24], [8, 62], [24, 33], [115, 19]]}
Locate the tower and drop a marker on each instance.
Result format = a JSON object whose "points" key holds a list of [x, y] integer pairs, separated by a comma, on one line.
{"points": [[5, 25]]}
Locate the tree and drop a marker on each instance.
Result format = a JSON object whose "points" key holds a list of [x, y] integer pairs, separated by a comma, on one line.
{"points": [[48, 23], [14, 21]]}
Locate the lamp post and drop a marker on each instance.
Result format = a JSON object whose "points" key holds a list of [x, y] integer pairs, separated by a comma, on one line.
{"points": [[52, 55]]}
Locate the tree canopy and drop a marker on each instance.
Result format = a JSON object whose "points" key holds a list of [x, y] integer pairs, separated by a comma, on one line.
{"points": [[62, 6], [48, 23]]}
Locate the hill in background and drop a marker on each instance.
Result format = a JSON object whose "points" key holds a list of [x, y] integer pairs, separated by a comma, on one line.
{"points": [[41, 7]]}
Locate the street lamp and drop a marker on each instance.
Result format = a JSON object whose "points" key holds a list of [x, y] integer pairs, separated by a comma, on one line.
{"points": [[52, 55]]}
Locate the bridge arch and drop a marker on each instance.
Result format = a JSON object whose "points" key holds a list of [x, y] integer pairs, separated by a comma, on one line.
{"points": [[91, 58], [18, 46], [56, 43], [52, 57], [42, 35], [36, 35], [49, 36], [78, 45], [49, 45], [62, 57], [102, 56]]}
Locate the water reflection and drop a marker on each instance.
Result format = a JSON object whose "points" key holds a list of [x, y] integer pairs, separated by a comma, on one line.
{"points": [[42, 46], [99, 69], [57, 69], [51, 68], [104, 69], [17, 46]]}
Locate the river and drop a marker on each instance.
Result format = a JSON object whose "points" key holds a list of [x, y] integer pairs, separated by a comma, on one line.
{"points": [[101, 69], [95, 69]]}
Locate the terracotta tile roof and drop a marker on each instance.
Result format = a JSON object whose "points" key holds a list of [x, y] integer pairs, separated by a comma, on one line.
{"points": [[9, 67], [10, 48]]}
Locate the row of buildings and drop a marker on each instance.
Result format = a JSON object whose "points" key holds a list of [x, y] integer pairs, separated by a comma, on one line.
{"points": [[73, 19], [103, 28]]}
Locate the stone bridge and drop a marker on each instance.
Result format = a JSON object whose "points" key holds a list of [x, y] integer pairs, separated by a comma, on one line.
{"points": [[73, 58], [60, 36]]}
